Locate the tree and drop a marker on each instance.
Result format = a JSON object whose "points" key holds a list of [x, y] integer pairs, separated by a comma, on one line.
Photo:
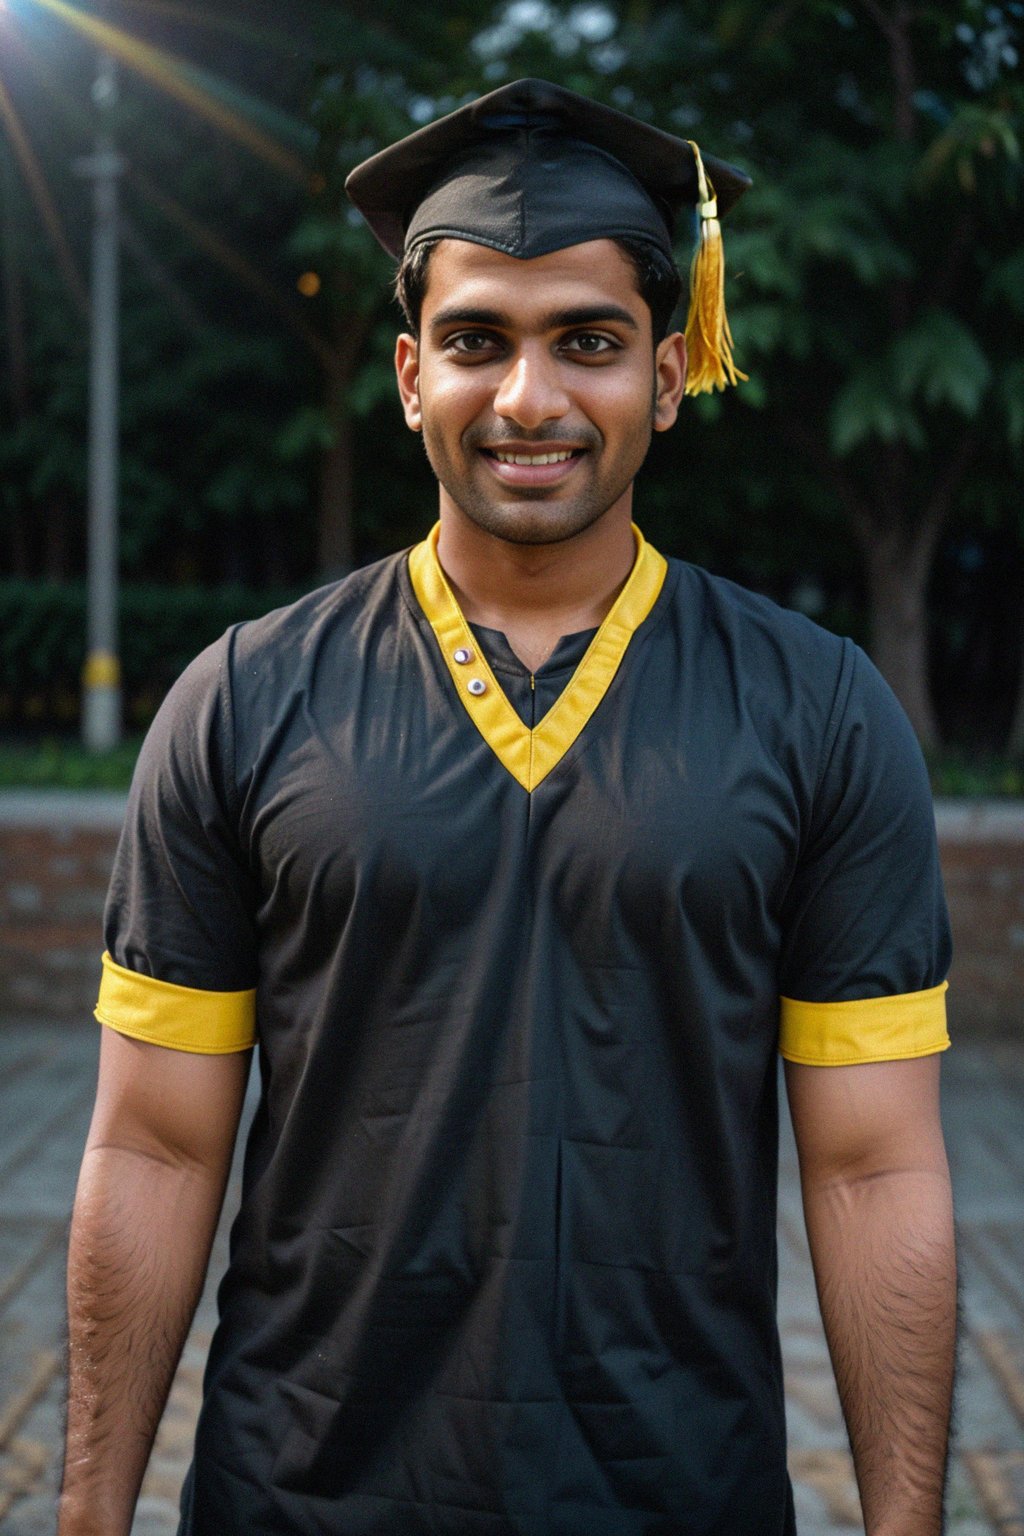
{"points": [[385, 69], [878, 268], [209, 365], [872, 265], [874, 281]]}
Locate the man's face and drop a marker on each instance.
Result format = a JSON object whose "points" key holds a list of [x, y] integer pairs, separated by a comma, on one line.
{"points": [[531, 358]]}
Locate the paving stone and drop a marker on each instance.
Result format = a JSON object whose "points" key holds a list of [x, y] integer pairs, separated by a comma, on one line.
{"points": [[47, 1078]]}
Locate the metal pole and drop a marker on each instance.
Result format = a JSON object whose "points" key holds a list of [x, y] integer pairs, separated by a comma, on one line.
{"points": [[101, 678], [12, 291]]}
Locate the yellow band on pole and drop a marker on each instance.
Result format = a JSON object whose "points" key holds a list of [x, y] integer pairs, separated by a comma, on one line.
{"points": [[102, 670]]}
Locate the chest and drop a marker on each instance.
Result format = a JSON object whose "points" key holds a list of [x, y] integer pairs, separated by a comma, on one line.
{"points": [[671, 817]]}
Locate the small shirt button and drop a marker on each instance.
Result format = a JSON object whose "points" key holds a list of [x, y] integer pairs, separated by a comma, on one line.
{"points": [[477, 685], [463, 654]]}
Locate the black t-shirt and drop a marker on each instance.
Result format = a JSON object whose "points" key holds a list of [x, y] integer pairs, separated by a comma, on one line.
{"points": [[512, 947]]}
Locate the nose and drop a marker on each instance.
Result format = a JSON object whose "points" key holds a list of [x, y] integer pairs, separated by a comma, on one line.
{"points": [[531, 391]]}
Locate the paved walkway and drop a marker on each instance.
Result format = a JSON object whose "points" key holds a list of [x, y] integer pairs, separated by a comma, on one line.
{"points": [[46, 1085]]}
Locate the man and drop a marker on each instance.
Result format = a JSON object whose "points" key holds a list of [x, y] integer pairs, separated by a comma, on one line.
{"points": [[505, 849]]}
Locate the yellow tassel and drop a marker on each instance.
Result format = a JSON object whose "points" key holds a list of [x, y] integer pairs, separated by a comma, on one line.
{"points": [[708, 337]]}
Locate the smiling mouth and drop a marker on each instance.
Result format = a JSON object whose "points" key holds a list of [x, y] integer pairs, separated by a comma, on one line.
{"points": [[559, 457], [532, 469]]}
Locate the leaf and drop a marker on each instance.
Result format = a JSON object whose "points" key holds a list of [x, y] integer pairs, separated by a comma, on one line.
{"points": [[307, 430], [1005, 283], [866, 407], [940, 361], [373, 383], [1010, 392], [975, 133]]}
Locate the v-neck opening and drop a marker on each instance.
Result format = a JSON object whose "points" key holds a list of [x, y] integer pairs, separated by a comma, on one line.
{"points": [[528, 754], [565, 656]]}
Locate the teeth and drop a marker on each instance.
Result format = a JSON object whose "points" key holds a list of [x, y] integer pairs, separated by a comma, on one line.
{"points": [[539, 458]]}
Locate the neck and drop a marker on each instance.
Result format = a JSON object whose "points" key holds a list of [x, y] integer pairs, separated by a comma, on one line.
{"points": [[547, 590]]}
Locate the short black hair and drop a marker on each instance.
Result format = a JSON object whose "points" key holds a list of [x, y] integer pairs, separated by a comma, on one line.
{"points": [[658, 281]]}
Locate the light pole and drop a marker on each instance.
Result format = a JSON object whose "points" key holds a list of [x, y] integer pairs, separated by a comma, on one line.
{"points": [[12, 288], [101, 677]]}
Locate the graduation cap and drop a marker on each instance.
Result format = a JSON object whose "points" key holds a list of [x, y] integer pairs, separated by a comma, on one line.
{"points": [[532, 168]]}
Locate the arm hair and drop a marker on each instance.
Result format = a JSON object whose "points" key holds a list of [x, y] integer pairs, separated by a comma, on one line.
{"points": [[149, 1194]]}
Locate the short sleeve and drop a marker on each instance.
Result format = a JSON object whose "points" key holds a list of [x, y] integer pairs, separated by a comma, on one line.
{"points": [[866, 943], [180, 963]]}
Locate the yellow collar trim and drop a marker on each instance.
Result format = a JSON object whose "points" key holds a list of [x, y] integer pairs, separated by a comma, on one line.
{"points": [[530, 755]]}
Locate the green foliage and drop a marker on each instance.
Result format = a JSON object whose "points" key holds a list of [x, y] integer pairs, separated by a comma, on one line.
{"points": [[1010, 391], [61, 762], [867, 406], [42, 642], [207, 371], [977, 777], [1005, 283], [934, 362], [874, 280], [307, 429], [974, 132], [937, 359]]}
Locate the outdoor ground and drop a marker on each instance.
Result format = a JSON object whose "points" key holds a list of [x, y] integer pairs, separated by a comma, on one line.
{"points": [[46, 1084]]}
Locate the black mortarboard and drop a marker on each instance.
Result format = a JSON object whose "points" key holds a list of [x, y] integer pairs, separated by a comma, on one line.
{"points": [[532, 168]]}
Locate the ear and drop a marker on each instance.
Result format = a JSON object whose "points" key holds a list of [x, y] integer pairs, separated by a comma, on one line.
{"points": [[670, 380], [407, 369]]}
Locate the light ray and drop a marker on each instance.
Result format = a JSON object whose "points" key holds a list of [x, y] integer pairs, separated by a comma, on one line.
{"points": [[232, 261], [260, 37], [272, 118], [169, 75], [36, 182], [66, 105], [197, 231], [161, 278]]}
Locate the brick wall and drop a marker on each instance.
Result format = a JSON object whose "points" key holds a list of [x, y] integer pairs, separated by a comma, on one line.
{"points": [[982, 849], [56, 850], [55, 856]]}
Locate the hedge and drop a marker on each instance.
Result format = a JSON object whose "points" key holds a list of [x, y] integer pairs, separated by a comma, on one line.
{"points": [[42, 642]]}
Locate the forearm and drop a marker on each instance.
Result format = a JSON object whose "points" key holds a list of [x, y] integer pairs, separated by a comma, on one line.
{"points": [[884, 1260], [140, 1243]]}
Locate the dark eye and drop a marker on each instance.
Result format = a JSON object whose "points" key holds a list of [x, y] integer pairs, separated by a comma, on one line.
{"points": [[592, 343], [470, 341]]}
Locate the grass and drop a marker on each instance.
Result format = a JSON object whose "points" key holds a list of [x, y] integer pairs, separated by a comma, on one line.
{"points": [[57, 762], [962, 776], [61, 762]]}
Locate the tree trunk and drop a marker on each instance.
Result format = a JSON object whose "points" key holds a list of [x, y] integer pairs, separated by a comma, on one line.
{"points": [[335, 543], [1015, 740], [898, 565], [335, 537], [21, 560], [56, 562]]}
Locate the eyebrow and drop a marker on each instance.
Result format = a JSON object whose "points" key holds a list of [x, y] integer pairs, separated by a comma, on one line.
{"points": [[556, 319]]}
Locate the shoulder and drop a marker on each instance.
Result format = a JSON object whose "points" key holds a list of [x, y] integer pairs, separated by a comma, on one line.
{"points": [[778, 667], [815, 701], [258, 655], [255, 665], [335, 609], [736, 616]]}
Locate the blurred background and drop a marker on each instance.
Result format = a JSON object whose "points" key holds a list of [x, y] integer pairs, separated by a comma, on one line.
{"points": [[867, 474], [198, 422]]}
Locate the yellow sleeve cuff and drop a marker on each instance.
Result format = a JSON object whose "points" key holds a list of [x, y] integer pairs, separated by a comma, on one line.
{"points": [[868, 1029], [181, 1018]]}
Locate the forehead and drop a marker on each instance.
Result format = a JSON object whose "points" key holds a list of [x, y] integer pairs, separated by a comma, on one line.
{"points": [[461, 272]]}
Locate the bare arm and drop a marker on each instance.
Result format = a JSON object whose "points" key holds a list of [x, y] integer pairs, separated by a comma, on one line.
{"points": [[879, 1215], [149, 1194]]}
